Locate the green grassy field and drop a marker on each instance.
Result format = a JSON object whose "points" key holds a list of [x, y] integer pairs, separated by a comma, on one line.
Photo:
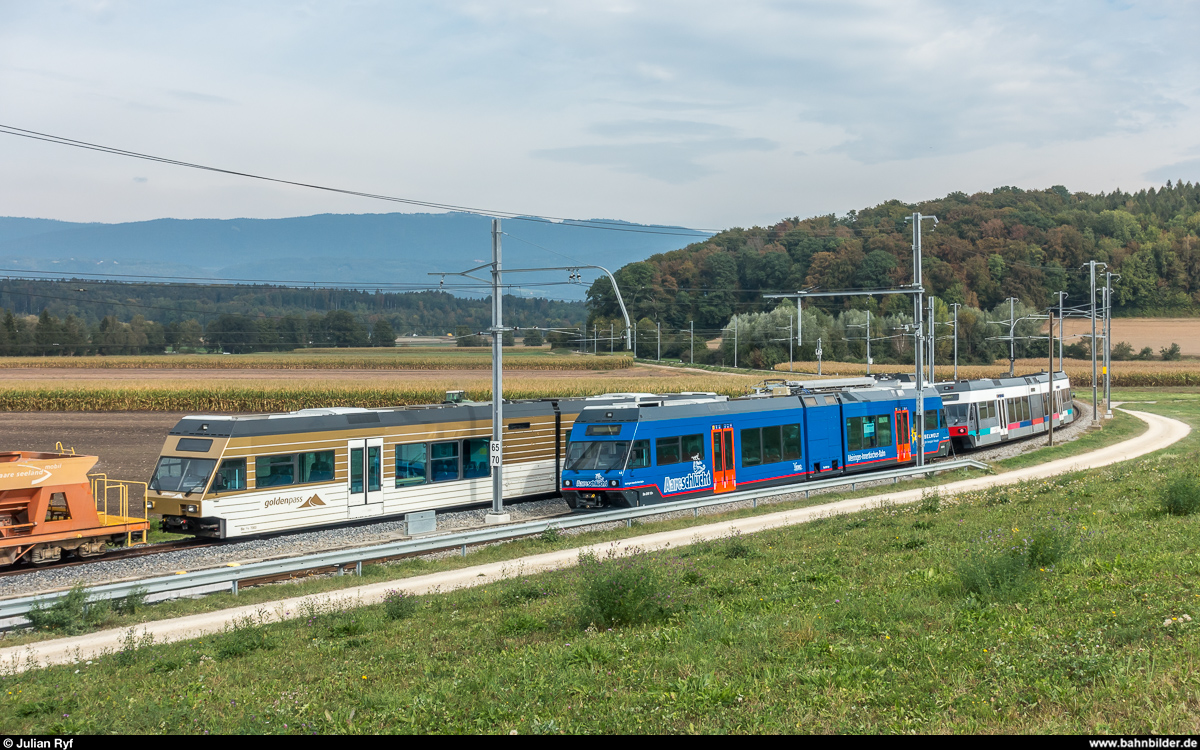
{"points": [[1059, 606]]}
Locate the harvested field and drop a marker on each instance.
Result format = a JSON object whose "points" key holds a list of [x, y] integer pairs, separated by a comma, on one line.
{"points": [[1156, 333], [1133, 374]]}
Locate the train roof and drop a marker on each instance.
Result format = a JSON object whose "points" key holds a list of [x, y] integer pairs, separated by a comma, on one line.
{"points": [[355, 418], [961, 386], [653, 412]]}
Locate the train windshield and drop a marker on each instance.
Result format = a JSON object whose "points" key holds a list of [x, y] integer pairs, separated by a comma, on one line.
{"points": [[181, 474], [957, 413], [596, 455]]}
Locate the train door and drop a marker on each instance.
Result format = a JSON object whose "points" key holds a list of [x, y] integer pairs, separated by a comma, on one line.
{"points": [[365, 477], [723, 463], [903, 436], [1005, 418]]}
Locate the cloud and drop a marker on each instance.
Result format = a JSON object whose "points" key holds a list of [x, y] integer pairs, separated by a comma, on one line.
{"points": [[195, 96], [673, 162], [141, 179], [1188, 171]]}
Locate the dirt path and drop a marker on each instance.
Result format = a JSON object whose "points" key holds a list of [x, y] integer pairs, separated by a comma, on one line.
{"points": [[1162, 432]]}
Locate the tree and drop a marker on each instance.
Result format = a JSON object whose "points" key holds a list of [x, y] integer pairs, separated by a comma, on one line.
{"points": [[1171, 353], [533, 337], [382, 334], [343, 329]]}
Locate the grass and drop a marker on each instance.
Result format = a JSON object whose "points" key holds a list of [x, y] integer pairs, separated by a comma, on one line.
{"points": [[1076, 620]]}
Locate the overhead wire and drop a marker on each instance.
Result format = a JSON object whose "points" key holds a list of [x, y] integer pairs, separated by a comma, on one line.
{"points": [[662, 229]]}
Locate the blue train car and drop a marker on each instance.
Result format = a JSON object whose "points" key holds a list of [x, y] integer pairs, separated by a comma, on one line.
{"points": [[644, 453]]}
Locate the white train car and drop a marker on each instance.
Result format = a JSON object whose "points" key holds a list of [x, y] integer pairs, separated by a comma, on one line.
{"points": [[986, 412]]}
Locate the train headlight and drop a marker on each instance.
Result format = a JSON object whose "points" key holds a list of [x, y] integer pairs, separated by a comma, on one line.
{"points": [[613, 483], [149, 505], [190, 508], [566, 483]]}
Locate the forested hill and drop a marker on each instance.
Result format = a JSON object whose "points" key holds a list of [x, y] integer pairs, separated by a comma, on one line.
{"points": [[1010, 242]]}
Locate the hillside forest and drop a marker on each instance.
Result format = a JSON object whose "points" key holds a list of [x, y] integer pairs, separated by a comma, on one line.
{"points": [[986, 248]]}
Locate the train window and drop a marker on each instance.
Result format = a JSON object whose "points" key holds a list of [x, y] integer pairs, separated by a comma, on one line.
{"points": [[595, 455], [772, 438], [181, 474], [316, 467], [274, 471], [854, 434], [639, 454], [194, 445], [666, 451], [693, 447], [410, 464], [883, 431], [444, 465], [475, 458], [931, 422], [231, 475], [791, 442], [603, 430], [374, 468], [752, 447]]}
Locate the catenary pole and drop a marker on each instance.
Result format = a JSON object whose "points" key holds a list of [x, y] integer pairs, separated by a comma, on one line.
{"points": [[1092, 346], [497, 448], [1108, 277], [956, 306], [1050, 379], [918, 314]]}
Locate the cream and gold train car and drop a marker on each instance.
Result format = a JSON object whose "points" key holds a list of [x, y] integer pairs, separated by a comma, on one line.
{"points": [[235, 476]]}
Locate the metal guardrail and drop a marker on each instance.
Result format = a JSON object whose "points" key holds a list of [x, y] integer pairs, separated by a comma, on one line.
{"points": [[227, 576]]}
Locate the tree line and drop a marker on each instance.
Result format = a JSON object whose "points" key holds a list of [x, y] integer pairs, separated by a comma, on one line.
{"points": [[48, 335]]}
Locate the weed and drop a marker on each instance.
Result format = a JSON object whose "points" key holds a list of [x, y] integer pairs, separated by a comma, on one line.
{"points": [[132, 602], [931, 501], [589, 655], [73, 613], [996, 496], [131, 644], [524, 591], [399, 605], [622, 590], [923, 525], [520, 623], [735, 547], [551, 535], [243, 638], [1181, 496]]}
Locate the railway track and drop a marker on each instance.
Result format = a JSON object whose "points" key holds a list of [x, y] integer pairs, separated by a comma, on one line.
{"points": [[142, 550]]}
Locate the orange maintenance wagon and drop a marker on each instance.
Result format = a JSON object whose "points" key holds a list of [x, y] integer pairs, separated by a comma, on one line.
{"points": [[50, 505]]}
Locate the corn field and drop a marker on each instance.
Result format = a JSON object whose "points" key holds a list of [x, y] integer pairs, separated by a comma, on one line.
{"points": [[207, 399], [445, 359]]}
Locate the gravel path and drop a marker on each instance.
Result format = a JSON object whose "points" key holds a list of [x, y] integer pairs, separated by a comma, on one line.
{"points": [[291, 545]]}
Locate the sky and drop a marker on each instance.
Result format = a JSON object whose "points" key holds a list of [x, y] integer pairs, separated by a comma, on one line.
{"points": [[701, 114]]}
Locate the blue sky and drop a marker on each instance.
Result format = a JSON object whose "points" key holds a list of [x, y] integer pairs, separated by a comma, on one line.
{"points": [[707, 114]]}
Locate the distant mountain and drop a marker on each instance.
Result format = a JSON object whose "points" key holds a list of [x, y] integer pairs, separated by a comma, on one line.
{"points": [[360, 249]]}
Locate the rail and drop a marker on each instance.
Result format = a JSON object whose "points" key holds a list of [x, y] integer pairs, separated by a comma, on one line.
{"points": [[227, 576]]}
